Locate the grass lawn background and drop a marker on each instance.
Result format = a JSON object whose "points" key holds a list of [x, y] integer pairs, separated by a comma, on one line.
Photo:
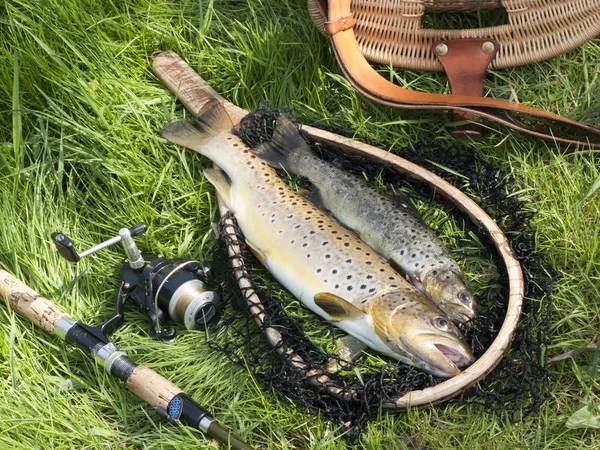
{"points": [[80, 152]]}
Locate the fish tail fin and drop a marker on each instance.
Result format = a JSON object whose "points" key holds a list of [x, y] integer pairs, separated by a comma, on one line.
{"points": [[211, 120], [287, 149]]}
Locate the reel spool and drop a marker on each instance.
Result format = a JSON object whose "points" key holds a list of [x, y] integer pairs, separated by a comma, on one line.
{"points": [[160, 288], [178, 287]]}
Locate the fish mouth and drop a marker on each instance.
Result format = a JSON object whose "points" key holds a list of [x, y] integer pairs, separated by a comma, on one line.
{"points": [[443, 360], [463, 318], [470, 313], [454, 355], [460, 313]]}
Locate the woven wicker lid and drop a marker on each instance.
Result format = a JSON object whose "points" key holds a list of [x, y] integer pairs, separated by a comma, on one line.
{"points": [[458, 5], [390, 31]]}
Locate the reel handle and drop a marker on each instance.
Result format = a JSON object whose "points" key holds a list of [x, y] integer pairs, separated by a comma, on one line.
{"points": [[65, 247], [67, 250], [138, 229]]}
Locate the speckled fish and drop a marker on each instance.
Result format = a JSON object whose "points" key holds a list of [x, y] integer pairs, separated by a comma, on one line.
{"points": [[327, 267], [390, 224]]}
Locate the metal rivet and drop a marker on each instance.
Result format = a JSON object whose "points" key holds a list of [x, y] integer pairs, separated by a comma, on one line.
{"points": [[441, 49], [488, 47]]}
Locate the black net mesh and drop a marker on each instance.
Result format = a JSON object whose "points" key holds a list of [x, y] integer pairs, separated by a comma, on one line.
{"points": [[514, 389]]}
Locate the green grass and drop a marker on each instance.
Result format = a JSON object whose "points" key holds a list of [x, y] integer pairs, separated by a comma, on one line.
{"points": [[80, 152]]}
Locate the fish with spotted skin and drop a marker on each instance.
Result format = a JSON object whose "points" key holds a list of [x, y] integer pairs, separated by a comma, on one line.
{"points": [[324, 265], [390, 224]]}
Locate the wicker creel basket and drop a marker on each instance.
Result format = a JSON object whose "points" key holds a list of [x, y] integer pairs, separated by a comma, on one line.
{"points": [[457, 5], [391, 32]]}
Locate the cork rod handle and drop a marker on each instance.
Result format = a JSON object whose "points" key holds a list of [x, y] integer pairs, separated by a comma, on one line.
{"points": [[28, 303], [151, 387]]}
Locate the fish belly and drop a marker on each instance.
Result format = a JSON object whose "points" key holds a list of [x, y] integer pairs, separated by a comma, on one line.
{"points": [[306, 289]]}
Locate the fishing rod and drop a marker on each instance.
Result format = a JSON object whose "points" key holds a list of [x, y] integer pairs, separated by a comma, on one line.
{"points": [[185, 299]]}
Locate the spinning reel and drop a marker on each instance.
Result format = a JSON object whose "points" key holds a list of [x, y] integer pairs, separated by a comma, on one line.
{"points": [[160, 288]]}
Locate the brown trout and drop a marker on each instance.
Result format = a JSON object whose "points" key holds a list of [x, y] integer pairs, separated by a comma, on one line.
{"points": [[390, 224], [325, 266]]}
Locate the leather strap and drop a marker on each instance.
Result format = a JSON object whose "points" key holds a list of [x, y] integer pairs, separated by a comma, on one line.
{"points": [[465, 62], [367, 81]]}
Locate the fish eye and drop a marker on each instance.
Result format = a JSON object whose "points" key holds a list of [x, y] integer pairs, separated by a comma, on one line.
{"points": [[464, 297], [441, 323]]}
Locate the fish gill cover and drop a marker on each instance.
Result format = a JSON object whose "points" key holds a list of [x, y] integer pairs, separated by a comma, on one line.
{"points": [[514, 389]]}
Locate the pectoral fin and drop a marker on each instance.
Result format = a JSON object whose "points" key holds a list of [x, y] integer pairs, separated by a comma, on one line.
{"points": [[415, 282], [260, 255], [337, 307], [347, 350]]}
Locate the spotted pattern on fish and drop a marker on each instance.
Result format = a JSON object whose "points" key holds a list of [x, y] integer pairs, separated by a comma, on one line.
{"points": [[390, 224], [334, 254], [324, 265]]}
